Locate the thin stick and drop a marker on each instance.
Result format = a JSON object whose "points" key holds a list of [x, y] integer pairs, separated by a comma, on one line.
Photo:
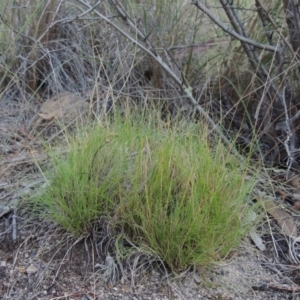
{"points": [[232, 32], [14, 226], [150, 51]]}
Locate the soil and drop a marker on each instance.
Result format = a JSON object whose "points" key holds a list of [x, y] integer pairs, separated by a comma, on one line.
{"points": [[45, 263]]}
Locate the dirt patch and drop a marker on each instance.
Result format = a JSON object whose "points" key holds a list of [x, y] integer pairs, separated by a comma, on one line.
{"points": [[45, 263]]}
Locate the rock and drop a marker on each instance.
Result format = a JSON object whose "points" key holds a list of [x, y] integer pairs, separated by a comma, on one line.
{"points": [[196, 278], [31, 269], [2, 263]]}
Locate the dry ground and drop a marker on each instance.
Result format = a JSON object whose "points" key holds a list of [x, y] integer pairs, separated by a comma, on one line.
{"points": [[39, 261], [44, 263]]}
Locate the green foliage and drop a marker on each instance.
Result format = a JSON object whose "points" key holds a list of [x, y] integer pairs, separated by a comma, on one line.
{"points": [[173, 190]]}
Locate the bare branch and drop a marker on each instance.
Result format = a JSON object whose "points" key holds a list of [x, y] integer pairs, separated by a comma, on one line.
{"points": [[272, 21], [232, 32], [239, 29], [289, 142], [148, 49], [293, 21]]}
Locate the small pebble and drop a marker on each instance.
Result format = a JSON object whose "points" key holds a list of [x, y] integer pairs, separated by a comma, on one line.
{"points": [[2, 263], [31, 269]]}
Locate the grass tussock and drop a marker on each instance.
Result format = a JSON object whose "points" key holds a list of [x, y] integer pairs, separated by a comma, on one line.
{"points": [[169, 189]]}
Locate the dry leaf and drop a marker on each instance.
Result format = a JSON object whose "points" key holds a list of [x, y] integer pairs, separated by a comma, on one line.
{"points": [[126, 288], [296, 206], [22, 269], [284, 220], [282, 193], [294, 182], [257, 240], [65, 105]]}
